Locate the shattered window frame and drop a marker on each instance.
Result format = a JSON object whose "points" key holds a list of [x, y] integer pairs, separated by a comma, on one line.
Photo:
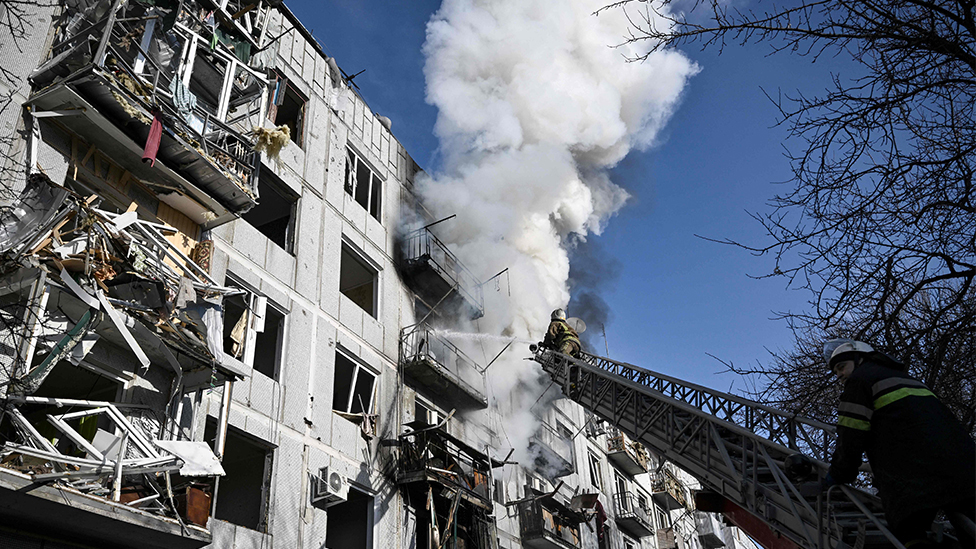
{"points": [[370, 196], [262, 308], [353, 387], [596, 475], [280, 92]]}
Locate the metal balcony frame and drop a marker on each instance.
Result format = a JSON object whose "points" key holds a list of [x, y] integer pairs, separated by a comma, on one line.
{"points": [[625, 506], [422, 244], [415, 347]]}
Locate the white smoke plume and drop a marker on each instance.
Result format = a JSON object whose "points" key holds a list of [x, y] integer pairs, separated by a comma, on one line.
{"points": [[534, 107]]}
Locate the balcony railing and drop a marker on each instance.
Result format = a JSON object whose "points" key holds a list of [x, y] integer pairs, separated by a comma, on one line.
{"points": [[435, 272], [437, 365], [544, 524], [629, 456], [631, 516], [553, 453], [124, 69], [668, 490], [435, 456]]}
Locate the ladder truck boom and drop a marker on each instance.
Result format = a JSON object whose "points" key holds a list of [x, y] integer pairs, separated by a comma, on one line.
{"points": [[733, 446]]}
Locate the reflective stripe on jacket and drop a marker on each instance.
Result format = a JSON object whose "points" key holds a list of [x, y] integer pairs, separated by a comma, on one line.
{"points": [[921, 456]]}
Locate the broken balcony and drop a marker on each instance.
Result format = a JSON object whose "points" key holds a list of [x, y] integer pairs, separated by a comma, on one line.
{"points": [[631, 516], [438, 367], [546, 523], [109, 77], [552, 452], [668, 491], [432, 455], [629, 456], [709, 530], [436, 274]]}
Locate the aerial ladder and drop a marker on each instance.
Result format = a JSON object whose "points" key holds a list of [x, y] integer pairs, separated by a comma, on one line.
{"points": [[735, 447]]}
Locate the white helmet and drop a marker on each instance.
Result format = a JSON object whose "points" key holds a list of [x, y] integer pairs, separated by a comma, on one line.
{"points": [[837, 350], [558, 314]]}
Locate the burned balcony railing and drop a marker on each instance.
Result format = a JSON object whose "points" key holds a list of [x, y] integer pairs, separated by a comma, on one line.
{"points": [[709, 530], [545, 523], [631, 516], [118, 74], [433, 455], [440, 367], [629, 456], [436, 274], [553, 453], [668, 490]]}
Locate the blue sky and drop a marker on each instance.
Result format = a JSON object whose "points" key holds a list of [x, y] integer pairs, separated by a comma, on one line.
{"points": [[678, 297]]}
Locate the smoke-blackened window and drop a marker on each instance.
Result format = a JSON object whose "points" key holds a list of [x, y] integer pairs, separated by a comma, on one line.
{"points": [[363, 184]]}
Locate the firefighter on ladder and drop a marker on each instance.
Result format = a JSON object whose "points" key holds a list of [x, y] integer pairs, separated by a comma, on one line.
{"points": [[561, 336], [922, 458]]}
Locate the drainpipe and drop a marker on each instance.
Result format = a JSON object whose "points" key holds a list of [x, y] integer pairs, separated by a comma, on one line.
{"points": [[221, 441]]}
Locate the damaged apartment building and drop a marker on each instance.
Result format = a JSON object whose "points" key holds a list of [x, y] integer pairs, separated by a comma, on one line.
{"points": [[214, 333]]}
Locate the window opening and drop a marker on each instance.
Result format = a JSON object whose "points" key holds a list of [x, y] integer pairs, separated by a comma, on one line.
{"points": [[621, 484], [242, 496], [363, 184], [268, 344], [356, 519], [595, 477], [253, 329], [357, 280], [276, 211], [352, 386], [287, 108]]}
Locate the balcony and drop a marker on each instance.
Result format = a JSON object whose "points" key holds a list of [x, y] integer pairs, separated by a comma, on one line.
{"points": [[441, 369], [106, 80], [545, 523], [553, 453], [627, 455], [668, 491], [436, 274], [433, 455], [630, 516], [710, 531]]}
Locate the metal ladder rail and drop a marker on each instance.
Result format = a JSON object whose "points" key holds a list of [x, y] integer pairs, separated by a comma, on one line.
{"points": [[726, 457]]}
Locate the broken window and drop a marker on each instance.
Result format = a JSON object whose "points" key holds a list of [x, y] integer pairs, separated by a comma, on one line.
{"points": [[595, 476], [287, 108], [363, 184], [352, 387], [268, 343], [358, 280], [356, 519], [426, 413], [253, 329], [242, 494], [275, 214]]}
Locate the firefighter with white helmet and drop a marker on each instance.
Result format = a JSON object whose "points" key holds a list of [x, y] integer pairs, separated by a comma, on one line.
{"points": [[922, 458], [561, 336]]}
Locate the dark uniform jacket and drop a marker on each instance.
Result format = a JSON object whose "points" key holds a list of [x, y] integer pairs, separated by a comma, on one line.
{"points": [[560, 332], [920, 455]]}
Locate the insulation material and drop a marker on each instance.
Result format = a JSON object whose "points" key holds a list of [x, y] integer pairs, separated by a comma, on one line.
{"points": [[271, 141]]}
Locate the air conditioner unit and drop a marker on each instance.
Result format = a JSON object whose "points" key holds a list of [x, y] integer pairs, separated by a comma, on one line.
{"points": [[329, 488]]}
